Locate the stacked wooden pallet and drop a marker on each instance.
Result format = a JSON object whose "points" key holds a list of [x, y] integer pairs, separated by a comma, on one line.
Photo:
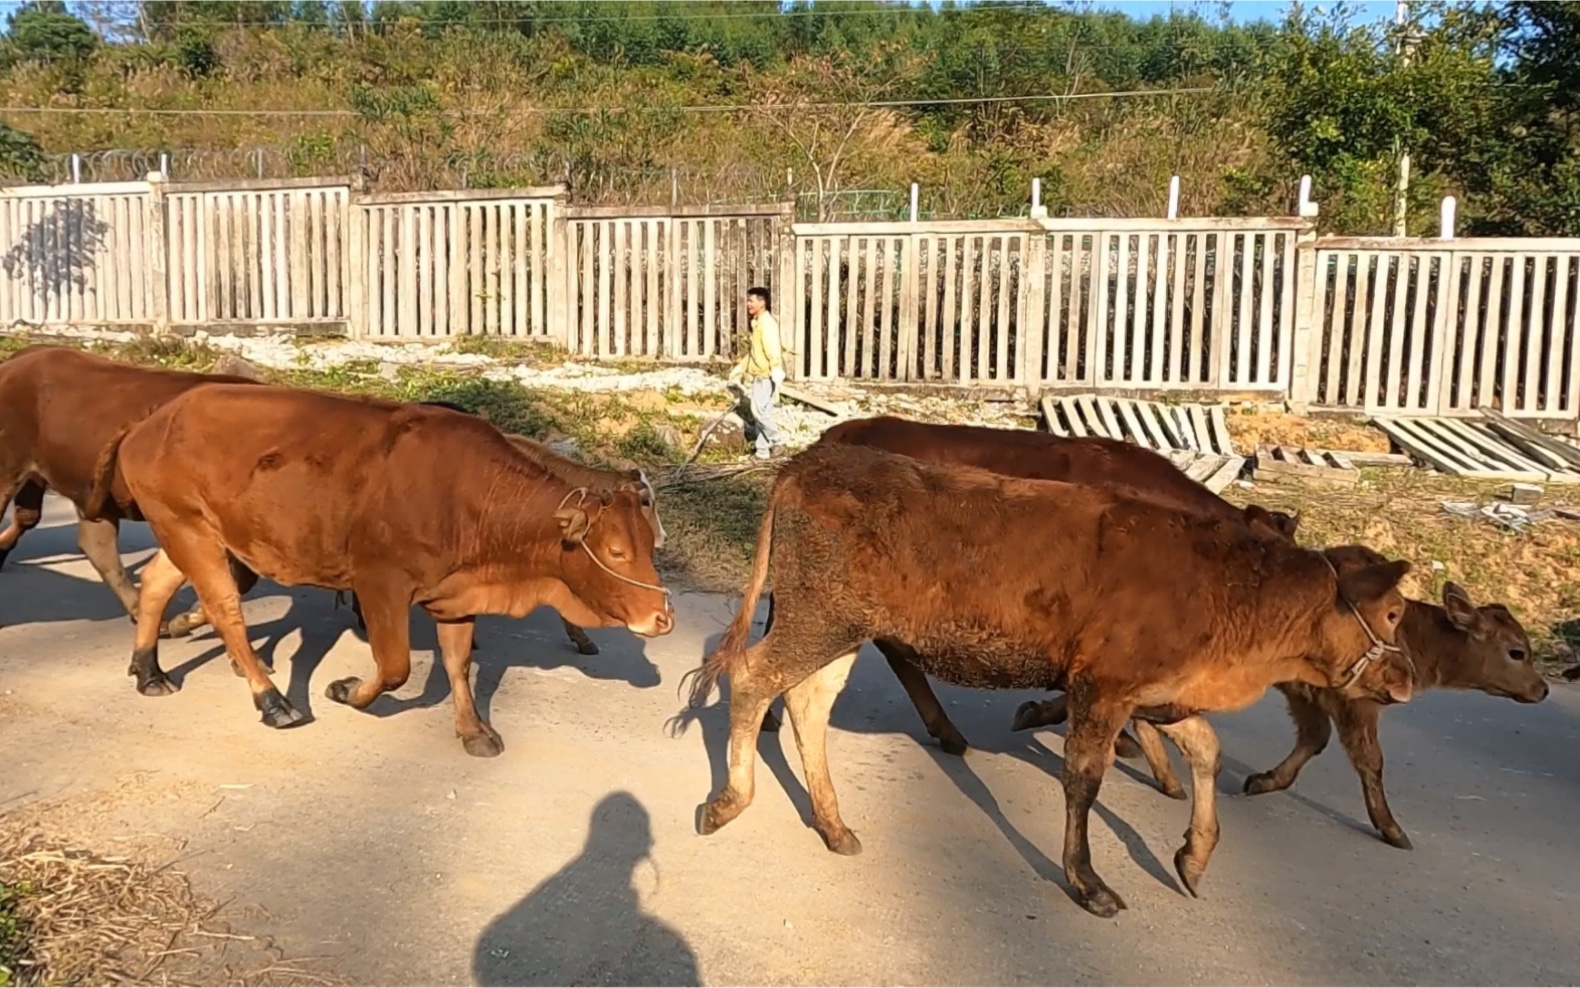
{"points": [[1194, 437], [1489, 448]]}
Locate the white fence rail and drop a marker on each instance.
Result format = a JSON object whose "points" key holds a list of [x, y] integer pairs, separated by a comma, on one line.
{"points": [[1228, 306]]}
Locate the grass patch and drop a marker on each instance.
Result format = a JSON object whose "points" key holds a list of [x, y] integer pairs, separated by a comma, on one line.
{"points": [[13, 933], [532, 353]]}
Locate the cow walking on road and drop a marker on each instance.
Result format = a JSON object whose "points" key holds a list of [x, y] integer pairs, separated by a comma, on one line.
{"points": [[1133, 606], [401, 503]]}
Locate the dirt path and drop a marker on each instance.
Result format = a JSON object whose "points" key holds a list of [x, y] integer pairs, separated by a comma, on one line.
{"points": [[373, 844]]}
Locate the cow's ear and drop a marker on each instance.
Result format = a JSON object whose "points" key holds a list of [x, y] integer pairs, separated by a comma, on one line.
{"points": [[1259, 517], [573, 524], [1372, 582], [1461, 609], [1285, 522]]}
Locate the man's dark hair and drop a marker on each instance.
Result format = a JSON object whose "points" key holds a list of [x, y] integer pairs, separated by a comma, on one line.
{"points": [[762, 293]]}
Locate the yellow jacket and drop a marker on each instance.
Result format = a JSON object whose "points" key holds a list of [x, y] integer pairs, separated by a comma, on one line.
{"points": [[764, 354]]}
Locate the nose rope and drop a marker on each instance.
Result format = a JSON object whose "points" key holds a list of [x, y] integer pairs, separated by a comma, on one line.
{"points": [[1378, 645], [582, 491]]}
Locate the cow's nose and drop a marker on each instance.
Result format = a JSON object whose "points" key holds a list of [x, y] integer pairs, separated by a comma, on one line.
{"points": [[665, 622]]}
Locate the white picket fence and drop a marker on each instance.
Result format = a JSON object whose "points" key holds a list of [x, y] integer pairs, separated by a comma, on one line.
{"points": [[1222, 306]]}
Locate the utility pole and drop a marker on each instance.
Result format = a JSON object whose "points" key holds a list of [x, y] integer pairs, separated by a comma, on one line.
{"points": [[1403, 186]]}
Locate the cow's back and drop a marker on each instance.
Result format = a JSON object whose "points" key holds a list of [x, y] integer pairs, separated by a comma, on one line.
{"points": [[59, 407], [987, 576], [305, 485], [1032, 455]]}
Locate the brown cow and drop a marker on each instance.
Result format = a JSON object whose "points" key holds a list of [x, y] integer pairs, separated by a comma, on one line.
{"points": [[1130, 604], [573, 472], [58, 408], [1456, 646], [402, 504], [1034, 456]]}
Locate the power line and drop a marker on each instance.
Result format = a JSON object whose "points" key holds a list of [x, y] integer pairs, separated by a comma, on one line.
{"points": [[695, 108]]}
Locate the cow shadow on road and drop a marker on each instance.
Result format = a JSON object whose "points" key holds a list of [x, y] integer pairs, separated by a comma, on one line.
{"points": [[585, 924], [856, 711]]}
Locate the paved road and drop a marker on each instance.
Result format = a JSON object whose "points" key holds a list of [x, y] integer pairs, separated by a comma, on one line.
{"points": [[372, 842]]}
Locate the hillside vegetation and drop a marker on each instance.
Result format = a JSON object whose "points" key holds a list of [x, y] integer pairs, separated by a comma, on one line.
{"points": [[705, 101]]}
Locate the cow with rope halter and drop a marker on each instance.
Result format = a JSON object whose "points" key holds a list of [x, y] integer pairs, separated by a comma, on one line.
{"points": [[400, 503]]}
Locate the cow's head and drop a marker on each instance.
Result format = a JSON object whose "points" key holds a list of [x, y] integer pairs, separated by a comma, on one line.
{"points": [[1481, 648], [1358, 632], [608, 564]]}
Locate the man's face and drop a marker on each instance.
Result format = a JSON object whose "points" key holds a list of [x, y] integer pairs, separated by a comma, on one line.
{"points": [[754, 305]]}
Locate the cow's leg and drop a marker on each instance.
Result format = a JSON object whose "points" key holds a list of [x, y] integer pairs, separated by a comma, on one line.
{"points": [[245, 579], [389, 635], [161, 579], [1357, 722], [770, 719], [1199, 744], [1046, 713], [1151, 744], [207, 564], [809, 703], [100, 542], [579, 638], [1088, 748], [27, 508], [750, 695], [455, 644], [922, 696], [1312, 729]]}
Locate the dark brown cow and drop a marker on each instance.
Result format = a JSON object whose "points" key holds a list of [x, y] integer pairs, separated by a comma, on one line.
{"points": [[58, 408], [402, 504], [1132, 605], [1456, 646], [1034, 456]]}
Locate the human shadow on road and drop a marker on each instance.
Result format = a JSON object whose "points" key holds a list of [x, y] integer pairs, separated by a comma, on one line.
{"points": [[852, 713], [585, 924]]}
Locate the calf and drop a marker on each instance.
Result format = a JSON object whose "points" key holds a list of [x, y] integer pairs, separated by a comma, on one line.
{"points": [[402, 504], [58, 408], [573, 472], [1130, 604]]}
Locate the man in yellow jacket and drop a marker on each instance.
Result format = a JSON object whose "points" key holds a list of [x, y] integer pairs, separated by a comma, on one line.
{"points": [[762, 369]]}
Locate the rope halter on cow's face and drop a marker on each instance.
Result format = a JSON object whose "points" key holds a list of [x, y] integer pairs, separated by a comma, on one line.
{"points": [[1379, 647], [581, 494]]}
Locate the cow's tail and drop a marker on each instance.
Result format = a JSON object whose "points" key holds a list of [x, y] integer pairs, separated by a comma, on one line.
{"points": [[101, 498], [732, 646]]}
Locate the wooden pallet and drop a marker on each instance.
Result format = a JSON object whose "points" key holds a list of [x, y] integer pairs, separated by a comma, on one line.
{"points": [[1313, 465], [1194, 437], [1479, 449]]}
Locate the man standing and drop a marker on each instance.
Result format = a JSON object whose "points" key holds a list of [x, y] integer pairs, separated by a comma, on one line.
{"points": [[762, 369]]}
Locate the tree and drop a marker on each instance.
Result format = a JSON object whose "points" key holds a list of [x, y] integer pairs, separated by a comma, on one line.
{"points": [[44, 31], [824, 106], [20, 155]]}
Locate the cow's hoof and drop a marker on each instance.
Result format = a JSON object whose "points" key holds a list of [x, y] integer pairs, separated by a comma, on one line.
{"points": [[715, 814], [1261, 782], [157, 684], [1189, 871], [1398, 839], [341, 689], [771, 722], [1125, 746], [277, 710], [1030, 715], [486, 745], [1102, 902], [954, 745], [1176, 791], [587, 647], [844, 843]]}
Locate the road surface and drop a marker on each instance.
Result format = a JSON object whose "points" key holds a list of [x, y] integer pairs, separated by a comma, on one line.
{"points": [[371, 842]]}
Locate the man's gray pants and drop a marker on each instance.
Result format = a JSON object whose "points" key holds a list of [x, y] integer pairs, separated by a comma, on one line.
{"points": [[763, 395]]}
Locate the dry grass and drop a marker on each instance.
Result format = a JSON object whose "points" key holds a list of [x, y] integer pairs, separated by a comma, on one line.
{"points": [[1253, 427], [69, 915]]}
